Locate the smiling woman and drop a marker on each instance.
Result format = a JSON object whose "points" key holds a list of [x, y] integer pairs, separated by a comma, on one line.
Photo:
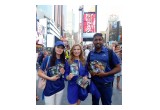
{"points": [[77, 65], [55, 82]]}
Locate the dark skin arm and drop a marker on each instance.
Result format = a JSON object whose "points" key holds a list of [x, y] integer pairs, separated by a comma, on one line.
{"points": [[112, 72]]}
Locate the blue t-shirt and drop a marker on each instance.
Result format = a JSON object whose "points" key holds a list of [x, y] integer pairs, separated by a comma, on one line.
{"points": [[102, 57], [52, 87]]}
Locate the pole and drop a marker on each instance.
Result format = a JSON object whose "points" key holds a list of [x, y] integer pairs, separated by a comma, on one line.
{"points": [[82, 22], [96, 16]]}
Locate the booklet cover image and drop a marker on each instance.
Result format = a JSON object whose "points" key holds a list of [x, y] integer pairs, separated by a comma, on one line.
{"points": [[97, 66], [82, 82], [55, 70], [74, 69]]}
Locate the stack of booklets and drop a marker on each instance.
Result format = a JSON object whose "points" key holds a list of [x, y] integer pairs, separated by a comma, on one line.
{"points": [[97, 66], [74, 69], [82, 82], [55, 70]]}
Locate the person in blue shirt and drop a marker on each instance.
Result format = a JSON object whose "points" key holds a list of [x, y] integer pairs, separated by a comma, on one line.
{"points": [[40, 57], [103, 80], [54, 88], [73, 90]]}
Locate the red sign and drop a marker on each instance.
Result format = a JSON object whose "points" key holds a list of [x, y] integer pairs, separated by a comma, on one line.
{"points": [[89, 23]]}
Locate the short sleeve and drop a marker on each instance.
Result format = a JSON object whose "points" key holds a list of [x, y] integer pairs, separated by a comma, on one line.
{"points": [[115, 59], [67, 69]]}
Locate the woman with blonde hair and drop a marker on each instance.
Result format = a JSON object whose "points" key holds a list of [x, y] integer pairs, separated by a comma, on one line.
{"points": [[76, 58]]}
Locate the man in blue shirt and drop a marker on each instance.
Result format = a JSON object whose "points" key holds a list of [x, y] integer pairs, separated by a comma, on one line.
{"points": [[103, 78]]}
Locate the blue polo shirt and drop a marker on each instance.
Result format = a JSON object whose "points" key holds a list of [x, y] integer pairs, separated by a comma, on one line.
{"points": [[102, 56], [52, 87]]}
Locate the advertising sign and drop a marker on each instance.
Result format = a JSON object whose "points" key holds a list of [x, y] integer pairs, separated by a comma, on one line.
{"points": [[89, 22], [40, 34]]}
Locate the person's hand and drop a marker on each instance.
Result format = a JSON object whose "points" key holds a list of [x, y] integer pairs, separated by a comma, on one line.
{"points": [[62, 70], [85, 78], [92, 73], [101, 74], [54, 78], [70, 76]]}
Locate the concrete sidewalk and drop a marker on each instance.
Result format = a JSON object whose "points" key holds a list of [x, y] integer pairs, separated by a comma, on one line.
{"points": [[116, 98]]}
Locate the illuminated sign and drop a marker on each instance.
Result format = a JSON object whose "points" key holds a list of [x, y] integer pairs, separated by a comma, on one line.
{"points": [[89, 22]]}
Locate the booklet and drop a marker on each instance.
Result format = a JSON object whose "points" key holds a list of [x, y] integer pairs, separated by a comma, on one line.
{"points": [[97, 66], [82, 82], [74, 69], [55, 70]]}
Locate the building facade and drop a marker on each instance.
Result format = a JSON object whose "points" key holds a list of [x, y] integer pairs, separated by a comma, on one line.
{"points": [[50, 17]]}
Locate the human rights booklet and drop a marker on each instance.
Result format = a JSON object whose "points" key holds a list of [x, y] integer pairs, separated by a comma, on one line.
{"points": [[74, 69], [82, 82], [97, 66], [55, 70]]}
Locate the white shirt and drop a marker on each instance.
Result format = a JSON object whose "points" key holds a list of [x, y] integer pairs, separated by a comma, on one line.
{"points": [[86, 53]]}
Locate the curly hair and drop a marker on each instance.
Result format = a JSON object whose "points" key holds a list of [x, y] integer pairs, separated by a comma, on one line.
{"points": [[81, 57]]}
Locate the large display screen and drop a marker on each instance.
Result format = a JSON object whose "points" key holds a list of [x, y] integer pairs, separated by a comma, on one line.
{"points": [[89, 22]]}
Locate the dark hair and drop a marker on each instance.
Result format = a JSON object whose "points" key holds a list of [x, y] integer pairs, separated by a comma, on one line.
{"points": [[40, 57], [54, 58], [117, 45], [97, 34]]}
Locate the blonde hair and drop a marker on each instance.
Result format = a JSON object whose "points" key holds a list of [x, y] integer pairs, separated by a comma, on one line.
{"points": [[81, 57]]}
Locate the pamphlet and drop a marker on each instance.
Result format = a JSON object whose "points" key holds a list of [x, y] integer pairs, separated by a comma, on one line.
{"points": [[55, 70], [74, 69], [82, 82], [97, 66]]}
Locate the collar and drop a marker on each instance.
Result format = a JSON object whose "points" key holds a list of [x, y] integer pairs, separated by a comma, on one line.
{"points": [[102, 50]]}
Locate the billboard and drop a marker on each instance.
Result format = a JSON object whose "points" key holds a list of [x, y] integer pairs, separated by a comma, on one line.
{"points": [[40, 34], [89, 22]]}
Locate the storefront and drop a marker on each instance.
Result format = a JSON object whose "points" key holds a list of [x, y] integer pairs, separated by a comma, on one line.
{"points": [[39, 48]]}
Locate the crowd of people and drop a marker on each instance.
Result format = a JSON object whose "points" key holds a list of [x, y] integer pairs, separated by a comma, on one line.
{"points": [[100, 83]]}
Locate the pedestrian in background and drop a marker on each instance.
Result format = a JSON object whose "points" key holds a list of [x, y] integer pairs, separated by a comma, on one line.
{"points": [[86, 52], [103, 80], [73, 90], [37, 97], [53, 90], [40, 57], [67, 52], [118, 75]]}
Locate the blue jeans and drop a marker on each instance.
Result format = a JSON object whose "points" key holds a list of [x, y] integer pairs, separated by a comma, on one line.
{"points": [[106, 93]]}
